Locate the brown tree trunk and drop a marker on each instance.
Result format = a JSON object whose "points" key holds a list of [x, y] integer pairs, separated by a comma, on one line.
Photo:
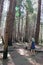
{"points": [[1, 9], [9, 27], [38, 23], [22, 30], [14, 32], [26, 29], [19, 27]]}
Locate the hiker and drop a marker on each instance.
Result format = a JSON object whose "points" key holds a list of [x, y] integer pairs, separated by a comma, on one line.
{"points": [[33, 46]]}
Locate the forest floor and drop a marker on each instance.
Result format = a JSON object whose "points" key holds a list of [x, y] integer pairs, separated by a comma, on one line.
{"points": [[18, 55]]}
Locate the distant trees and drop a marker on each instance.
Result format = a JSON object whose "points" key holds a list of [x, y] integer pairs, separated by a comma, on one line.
{"points": [[19, 5], [20, 16], [29, 9], [16, 33]]}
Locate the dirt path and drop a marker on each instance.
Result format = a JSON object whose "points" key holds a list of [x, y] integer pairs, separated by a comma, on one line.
{"points": [[18, 55]]}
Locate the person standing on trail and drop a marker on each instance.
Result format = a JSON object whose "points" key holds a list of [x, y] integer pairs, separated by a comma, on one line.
{"points": [[33, 46]]}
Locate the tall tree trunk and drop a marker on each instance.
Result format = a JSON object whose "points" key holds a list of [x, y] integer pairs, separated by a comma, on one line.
{"points": [[19, 27], [1, 9], [9, 27], [14, 32], [38, 22], [26, 29], [22, 30]]}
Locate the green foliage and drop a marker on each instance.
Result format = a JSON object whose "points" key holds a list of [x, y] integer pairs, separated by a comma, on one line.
{"points": [[16, 8], [29, 6], [18, 4], [17, 14]]}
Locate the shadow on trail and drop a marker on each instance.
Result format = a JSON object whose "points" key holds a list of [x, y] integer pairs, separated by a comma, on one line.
{"points": [[21, 56], [19, 59], [38, 58]]}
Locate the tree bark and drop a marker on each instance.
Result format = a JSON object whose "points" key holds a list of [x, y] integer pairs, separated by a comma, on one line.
{"points": [[26, 29], [9, 27], [1, 9], [19, 26], [22, 30], [38, 23], [14, 32]]}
